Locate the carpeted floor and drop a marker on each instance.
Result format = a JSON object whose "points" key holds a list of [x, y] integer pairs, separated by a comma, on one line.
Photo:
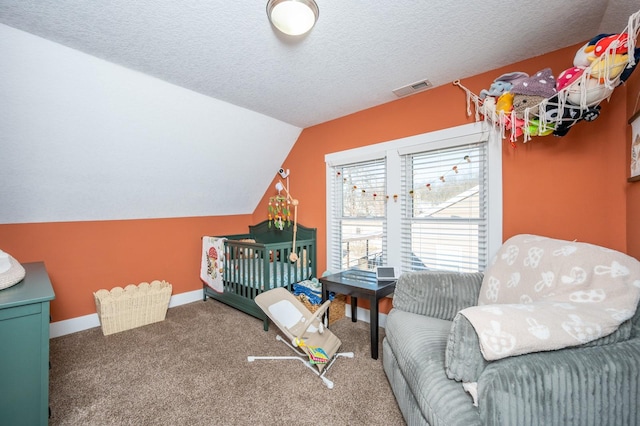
{"points": [[192, 369]]}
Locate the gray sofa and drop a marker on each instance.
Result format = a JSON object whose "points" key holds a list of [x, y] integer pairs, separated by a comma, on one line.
{"points": [[430, 350]]}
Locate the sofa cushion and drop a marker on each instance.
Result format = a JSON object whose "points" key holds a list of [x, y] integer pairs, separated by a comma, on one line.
{"points": [[543, 294], [465, 363], [418, 344], [437, 294]]}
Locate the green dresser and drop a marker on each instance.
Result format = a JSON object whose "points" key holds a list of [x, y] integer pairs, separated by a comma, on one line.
{"points": [[24, 348]]}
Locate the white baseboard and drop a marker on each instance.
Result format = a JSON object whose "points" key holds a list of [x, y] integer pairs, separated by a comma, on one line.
{"points": [[73, 325], [60, 328], [363, 315], [184, 298]]}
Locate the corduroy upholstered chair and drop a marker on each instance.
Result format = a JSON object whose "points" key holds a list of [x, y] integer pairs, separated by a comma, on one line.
{"points": [[549, 334]]}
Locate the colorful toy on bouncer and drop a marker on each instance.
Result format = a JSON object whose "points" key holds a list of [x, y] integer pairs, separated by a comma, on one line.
{"points": [[316, 354]]}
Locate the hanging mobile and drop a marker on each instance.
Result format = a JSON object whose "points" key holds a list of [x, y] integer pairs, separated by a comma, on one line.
{"points": [[294, 202]]}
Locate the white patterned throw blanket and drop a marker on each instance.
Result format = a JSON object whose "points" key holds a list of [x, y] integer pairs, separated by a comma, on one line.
{"points": [[213, 262], [544, 294]]}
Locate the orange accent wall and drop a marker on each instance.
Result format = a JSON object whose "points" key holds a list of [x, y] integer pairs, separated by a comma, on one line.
{"points": [[82, 257], [572, 188], [632, 188]]}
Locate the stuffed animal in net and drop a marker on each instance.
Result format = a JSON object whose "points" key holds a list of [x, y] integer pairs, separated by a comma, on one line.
{"points": [[586, 54], [563, 120], [605, 57], [503, 84], [629, 69], [530, 92]]}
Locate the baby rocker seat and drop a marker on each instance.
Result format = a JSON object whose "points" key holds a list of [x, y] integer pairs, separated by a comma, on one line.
{"points": [[304, 330]]}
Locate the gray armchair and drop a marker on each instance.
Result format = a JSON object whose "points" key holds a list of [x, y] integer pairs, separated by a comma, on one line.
{"points": [[433, 358]]}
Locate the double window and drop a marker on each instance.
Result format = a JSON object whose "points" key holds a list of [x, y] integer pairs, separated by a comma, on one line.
{"points": [[428, 202]]}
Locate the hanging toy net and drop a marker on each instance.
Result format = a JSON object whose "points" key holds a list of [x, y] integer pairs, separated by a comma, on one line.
{"points": [[520, 106]]}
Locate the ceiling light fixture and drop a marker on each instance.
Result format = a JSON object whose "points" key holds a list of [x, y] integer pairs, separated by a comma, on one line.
{"points": [[293, 17]]}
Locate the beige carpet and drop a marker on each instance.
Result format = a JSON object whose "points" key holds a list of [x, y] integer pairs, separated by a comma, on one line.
{"points": [[192, 369]]}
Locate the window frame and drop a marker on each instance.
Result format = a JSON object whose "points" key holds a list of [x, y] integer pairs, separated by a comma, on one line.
{"points": [[392, 151]]}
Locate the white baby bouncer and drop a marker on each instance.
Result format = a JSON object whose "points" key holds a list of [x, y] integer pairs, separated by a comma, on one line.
{"points": [[316, 346]]}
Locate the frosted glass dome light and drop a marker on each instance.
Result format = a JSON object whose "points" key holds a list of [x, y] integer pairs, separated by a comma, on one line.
{"points": [[293, 17]]}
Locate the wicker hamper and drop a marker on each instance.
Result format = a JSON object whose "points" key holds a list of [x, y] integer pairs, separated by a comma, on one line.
{"points": [[336, 309], [134, 306]]}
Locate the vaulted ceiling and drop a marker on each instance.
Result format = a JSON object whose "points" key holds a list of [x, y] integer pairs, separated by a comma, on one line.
{"points": [[356, 55], [117, 109]]}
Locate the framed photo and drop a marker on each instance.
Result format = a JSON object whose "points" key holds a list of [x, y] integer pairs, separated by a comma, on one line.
{"points": [[635, 147]]}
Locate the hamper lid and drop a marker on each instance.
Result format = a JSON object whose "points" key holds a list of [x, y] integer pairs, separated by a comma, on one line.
{"points": [[11, 271]]}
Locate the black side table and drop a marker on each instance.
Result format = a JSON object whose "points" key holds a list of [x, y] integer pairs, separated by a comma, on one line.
{"points": [[358, 283]]}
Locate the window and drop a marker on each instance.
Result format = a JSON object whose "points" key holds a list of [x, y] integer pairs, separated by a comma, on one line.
{"points": [[359, 214], [444, 218], [428, 202]]}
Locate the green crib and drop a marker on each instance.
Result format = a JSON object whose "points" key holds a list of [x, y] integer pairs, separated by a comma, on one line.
{"points": [[259, 261]]}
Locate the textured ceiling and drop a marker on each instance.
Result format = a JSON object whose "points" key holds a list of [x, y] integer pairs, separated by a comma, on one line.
{"points": [[358, 52]]}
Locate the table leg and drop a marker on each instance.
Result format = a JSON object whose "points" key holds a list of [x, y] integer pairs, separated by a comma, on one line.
{"points": [[354, 309], [325, 316], [373, 319]]}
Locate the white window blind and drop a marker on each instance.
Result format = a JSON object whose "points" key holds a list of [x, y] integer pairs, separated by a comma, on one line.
{"points": [[358, 215], [437, 204], [444, 214]]}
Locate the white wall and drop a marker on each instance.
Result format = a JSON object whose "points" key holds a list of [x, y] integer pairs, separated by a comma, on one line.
{"points": [[85, 139]]}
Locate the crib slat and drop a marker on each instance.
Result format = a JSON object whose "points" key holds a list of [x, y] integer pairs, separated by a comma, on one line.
{"points": [[252, 268]]}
